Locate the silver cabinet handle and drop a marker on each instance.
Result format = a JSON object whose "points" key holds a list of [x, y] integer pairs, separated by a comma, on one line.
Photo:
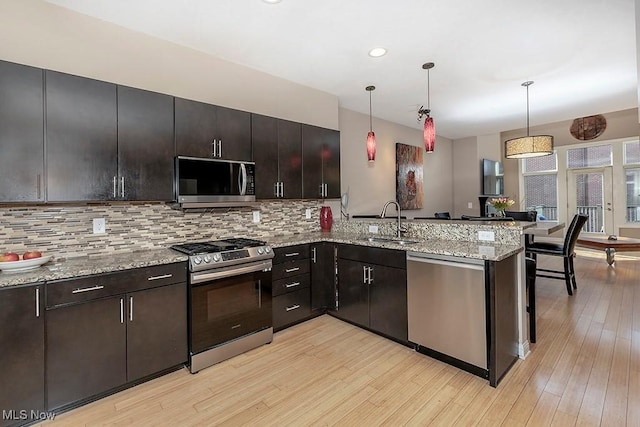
{"points": [[122, 187], [292, 254], [93, 288], [39, 187], [236, 326], [292, 285], [214, 148], [259, 293], [313, 251], [320, 190], [291, 270], [121, 310], [293, 307], [37, 302], [115, 185], [276, 189], [130, 309], [364, 274], [164, 276], [219, 148], [369, 275]]}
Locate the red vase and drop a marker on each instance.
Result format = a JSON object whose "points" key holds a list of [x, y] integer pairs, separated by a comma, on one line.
{"points": [[326, 218]]}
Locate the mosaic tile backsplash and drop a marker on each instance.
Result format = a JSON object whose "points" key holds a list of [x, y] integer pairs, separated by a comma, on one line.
{"points": [[67, 231]]}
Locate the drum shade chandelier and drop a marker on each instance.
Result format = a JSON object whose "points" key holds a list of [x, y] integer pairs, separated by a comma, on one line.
{"points": [[429, 126], [371, 137], [528, 146]]}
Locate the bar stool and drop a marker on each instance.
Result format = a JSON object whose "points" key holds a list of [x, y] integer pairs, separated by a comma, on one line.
{"points": [[531, 299]]}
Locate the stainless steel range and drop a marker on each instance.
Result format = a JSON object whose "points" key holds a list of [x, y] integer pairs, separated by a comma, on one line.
{"points": [[229, 299]]}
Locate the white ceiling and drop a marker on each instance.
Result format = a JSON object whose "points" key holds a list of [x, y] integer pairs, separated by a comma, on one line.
{"points": [[580, 53]]}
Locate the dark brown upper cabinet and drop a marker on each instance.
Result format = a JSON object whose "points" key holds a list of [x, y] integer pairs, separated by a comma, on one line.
{"points": [[321, 162], [277, 149], [145, 145], [82, 138], [21, 133], [205, 130]]}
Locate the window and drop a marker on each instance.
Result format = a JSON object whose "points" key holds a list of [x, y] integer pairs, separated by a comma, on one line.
{"points": [[632, 175], [588, 157], [541, 186]]}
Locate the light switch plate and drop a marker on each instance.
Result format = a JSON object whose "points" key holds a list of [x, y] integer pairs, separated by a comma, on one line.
{"points": [[486, 236], [256, 216], [470, 205], [307, 214], [99, 226], [373, 229]]}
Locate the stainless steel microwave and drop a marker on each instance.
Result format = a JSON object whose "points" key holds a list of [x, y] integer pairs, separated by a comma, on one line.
{"points": [[201, 182]]}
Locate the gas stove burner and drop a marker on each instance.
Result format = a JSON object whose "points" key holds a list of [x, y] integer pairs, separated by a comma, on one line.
{"points": [[222, 253]]}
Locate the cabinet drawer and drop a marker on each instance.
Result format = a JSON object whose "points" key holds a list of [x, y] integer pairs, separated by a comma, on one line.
{"points": [[381, 256], [102, 285], [290, 253], [290, 269], [291, 284], [291, 307]]}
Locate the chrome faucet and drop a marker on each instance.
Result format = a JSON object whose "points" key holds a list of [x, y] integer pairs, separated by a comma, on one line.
{"points": [[384, 212]]}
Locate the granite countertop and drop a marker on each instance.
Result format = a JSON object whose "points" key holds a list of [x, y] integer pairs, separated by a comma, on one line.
{"points": [[76, 267], [84, 266]]}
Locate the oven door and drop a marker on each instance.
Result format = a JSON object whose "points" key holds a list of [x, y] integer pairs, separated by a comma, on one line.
{"points": [[229, 303]]}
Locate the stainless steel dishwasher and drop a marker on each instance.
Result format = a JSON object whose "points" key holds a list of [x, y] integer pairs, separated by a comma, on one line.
{"points": [[447, 306]]}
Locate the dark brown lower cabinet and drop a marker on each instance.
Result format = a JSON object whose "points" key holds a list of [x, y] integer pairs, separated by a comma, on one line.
{"points": [[370, 294], [322, 276], [99, 345], [86, 350], [21, 354]]}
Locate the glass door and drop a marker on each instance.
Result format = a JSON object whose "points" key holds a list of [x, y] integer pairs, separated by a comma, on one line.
{"points": [[590, 191]]}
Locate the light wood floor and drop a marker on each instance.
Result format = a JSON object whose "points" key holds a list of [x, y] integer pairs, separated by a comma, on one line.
{"points": [[584, 370]]}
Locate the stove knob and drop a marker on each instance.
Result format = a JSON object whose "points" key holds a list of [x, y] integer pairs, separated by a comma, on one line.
{"points": [[207, 258], [260, 251], [197, 260], [267, 249], [216, 258]]}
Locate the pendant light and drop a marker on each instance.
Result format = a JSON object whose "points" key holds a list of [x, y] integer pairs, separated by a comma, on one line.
{"points": [[371, 137], [528, 146], [429, 126]]}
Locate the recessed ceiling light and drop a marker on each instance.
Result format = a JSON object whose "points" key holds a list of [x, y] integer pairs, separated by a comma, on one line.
{"points": [[377, 52], [272, 1]]}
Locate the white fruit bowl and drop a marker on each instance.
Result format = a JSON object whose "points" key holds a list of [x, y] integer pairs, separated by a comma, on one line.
{"points": [[24, 265]]}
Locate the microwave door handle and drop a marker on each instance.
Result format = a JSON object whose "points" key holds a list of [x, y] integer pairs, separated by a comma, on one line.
{"points": [[242, 179]]}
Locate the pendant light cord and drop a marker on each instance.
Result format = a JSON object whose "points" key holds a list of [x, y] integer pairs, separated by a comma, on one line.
{"points": [[527, 110], [370, 114], [428, 94]]}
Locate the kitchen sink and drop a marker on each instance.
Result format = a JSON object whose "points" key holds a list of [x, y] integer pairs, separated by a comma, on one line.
{"points": [[389, 240]]}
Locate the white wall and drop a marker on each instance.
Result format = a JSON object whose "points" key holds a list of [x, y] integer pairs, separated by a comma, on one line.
{"points": [[47, 36], [370, 185]]}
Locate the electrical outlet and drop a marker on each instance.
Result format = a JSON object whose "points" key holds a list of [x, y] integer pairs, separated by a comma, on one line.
{"points": [[487, 236], [99, 226], [373, 229], [470, 205], [307, 214], [256, 216]]}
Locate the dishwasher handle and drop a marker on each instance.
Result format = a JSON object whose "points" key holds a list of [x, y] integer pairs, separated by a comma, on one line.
{"points": [[447, 263]]}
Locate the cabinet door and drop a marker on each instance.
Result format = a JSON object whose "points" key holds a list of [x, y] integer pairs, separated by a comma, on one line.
{"points": [[264, 136], [388, 301], [81, 138], [331, 163], [195, 128], [86, 350], [156, 330], [322, 276], [353, 292], [290, 158], [22, 355], [312, 141], [21, 133], [145, 145], [234, 134]]}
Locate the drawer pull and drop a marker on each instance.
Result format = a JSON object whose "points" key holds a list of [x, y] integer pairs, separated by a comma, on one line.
{"points": [[293, 307], [292, 254], [93, 288], [291, 285], [291, 270], [236, 326], [164, 276]]}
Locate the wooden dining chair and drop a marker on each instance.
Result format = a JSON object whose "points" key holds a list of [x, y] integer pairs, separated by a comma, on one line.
{"points": [[565, 250]]}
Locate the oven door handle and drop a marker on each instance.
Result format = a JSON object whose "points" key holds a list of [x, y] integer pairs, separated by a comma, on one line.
{"points": [[235, 271]]}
